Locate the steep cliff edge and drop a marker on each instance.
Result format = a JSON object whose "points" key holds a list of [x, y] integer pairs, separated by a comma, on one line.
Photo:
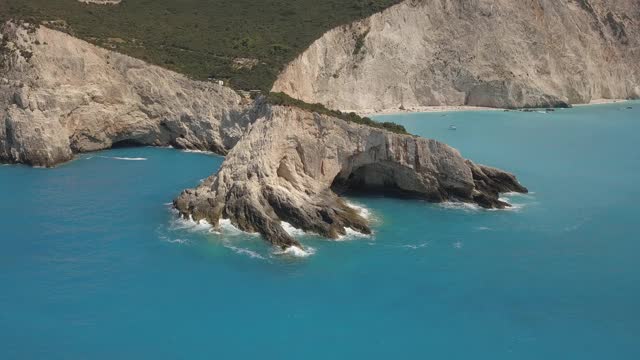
{"points": [[291, 163], [495, 53], [60, 96]]}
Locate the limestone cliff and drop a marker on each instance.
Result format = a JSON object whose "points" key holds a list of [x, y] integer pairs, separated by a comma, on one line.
{"points": [[60, 95], [292, 162], [495, 53]]}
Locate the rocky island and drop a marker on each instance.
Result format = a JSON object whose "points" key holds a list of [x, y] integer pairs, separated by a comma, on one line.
{"points": [[209, 185], [289, 162], [61, 96], [289, 166]]}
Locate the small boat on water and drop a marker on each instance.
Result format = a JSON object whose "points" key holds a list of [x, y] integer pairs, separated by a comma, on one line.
{"points": [[452, 127]]}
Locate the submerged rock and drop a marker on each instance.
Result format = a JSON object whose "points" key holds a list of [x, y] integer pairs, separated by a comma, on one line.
{"points": [[292, 162]]}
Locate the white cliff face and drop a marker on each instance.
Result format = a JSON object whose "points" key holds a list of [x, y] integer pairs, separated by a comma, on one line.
{"points": [[292, 162], [496, 53], [60, 95]]}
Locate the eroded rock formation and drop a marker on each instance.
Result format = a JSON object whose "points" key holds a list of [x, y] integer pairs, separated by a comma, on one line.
{"points": [[60, 95], [494, 53], [288, 166]]}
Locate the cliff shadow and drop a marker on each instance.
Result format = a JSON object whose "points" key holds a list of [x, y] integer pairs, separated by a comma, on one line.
{"points": [[383, 179]]}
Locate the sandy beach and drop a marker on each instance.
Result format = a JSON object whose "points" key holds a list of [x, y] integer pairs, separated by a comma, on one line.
{"points": [[423, 109], [450, 108], [602, 101]]}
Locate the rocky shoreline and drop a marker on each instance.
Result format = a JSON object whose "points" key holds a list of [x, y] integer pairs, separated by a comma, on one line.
{"points": [[291, 163], [443, 108], [61, 96]]}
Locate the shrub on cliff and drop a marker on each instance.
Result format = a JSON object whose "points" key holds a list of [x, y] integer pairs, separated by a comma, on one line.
{"points": [[200, 38], [282, 99]]}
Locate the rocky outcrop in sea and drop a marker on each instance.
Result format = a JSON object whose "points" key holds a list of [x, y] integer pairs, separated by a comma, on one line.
{"points": [[60, 96], [292, 164]]}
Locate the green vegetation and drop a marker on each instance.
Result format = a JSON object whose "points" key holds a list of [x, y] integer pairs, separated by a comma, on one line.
{"points": [[245, 42], [360, 43], [286, 100]]}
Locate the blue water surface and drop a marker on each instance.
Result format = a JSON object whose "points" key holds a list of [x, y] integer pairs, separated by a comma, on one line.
{"points": [[94, 265]]}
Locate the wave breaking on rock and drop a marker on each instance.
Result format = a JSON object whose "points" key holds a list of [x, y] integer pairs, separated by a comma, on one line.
{"points": [[60, 96], [292, 165]]}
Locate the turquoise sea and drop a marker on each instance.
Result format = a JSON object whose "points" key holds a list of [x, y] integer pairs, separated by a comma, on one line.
{"points": [[93, 264]]}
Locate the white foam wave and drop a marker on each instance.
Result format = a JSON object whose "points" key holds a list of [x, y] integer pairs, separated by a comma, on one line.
{"points": [[518, 195], [176, 241], [458, 205], [361, 210], [227, 228], [164, 237], [198, 152], [129, 158], [291, 230], [124, 158], [351, 234], [242, 251], [516, 200], [296, 252], [415, 246], [457, 244], [469, 207], [513, 207], [483, 228], [180, 223], [203, 225]]}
